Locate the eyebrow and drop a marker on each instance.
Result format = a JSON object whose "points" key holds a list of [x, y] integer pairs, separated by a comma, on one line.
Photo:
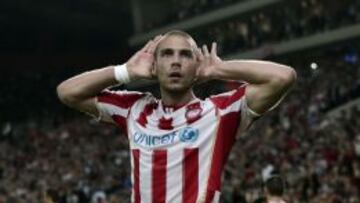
{"points": [[166, 50], [186, 52], [182, 51]]}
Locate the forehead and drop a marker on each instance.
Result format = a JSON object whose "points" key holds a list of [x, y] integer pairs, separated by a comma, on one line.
{"points": [[175, 42]]}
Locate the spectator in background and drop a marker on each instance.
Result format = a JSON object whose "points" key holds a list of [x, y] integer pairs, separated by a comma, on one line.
{"points": [[274, 189]]}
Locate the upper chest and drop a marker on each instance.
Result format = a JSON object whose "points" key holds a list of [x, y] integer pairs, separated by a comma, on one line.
{"points": [[152, 126]]}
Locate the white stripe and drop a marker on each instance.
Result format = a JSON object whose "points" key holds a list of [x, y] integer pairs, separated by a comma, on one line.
{"points": [[204, 168], [206, 151], [153, 122], [174, 175], [145, 170], [113, 110], [216, 197]]}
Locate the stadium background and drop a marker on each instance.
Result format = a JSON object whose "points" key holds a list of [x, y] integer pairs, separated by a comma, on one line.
{"points": [[49, 153]]}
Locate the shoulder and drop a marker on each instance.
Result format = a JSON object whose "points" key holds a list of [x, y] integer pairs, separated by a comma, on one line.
{"points": [[122, 98], [120, 94], [225, 99]]}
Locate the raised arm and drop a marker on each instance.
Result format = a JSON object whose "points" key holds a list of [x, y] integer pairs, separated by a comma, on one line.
{"points": [[80, 91], [268, 81]]}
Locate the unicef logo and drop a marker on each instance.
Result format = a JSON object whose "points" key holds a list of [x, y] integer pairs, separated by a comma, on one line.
{"points": [[189, 134]]}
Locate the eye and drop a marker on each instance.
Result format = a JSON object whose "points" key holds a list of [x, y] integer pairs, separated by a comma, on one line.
{"points": [[186, 53], [166, 52]]}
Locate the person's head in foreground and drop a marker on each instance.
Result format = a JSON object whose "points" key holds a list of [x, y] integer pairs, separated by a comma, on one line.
{"points": [[274, 189]]}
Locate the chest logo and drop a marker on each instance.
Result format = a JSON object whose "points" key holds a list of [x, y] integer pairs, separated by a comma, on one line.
{"points": [[188, 134], [193, 112]]}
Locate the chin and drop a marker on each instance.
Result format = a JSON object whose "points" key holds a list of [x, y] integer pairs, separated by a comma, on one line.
{"points": [[177, 88]]}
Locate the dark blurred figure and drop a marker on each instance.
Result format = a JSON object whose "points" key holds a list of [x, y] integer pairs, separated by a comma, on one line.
{"points": [[274, 188], [238, 194]]}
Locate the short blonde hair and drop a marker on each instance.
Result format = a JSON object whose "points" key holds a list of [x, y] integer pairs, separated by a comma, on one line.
{"points": [[181, 34]]}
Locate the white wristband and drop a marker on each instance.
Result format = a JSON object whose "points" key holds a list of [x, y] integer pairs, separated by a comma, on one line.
{"points": [[121, 73]]}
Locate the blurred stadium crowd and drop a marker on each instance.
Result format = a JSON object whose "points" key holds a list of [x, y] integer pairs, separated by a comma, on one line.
{"points": [[317, 153], [49, 157], [182, 10], [264, 28], [63, 161]]}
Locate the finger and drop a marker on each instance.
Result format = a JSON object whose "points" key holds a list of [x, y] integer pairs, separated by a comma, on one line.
{"points": [[199, 54], [147, 45], [158, 38], [205, 51], [153, 46], [214, 49]]}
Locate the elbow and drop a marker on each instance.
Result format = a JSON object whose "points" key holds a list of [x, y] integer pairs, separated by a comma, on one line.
{"points": [[285, 78], [290, 76], [65, 94]]}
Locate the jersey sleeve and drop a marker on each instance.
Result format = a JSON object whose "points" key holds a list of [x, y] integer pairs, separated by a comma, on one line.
{"points": [[234, 102], [115, 105], [248, 116]]}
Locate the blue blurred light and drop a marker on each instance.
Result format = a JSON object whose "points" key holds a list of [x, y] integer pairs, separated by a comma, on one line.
{"points": [[351, 58]]}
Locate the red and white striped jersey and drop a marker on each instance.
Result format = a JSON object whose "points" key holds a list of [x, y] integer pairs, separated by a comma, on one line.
{"points": [[177, 153]]}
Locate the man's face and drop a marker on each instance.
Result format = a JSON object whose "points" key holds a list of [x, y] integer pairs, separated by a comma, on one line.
{"points": [[175, 63]]}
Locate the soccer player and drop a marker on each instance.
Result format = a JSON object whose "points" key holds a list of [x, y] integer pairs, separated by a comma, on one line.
{"points": [[179, 144]]}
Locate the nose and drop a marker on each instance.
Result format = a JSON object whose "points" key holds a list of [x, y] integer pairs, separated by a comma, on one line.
{"points": [[176, 61], [176, 64]]}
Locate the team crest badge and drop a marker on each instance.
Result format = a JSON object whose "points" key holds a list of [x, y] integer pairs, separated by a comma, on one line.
{"points": [[193, 112]]}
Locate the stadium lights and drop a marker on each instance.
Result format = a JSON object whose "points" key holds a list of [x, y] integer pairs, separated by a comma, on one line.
{"points": [[314, 66]]}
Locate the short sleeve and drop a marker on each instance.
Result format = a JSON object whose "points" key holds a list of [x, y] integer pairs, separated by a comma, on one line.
{"points": [[115, 105], [248, 116]]}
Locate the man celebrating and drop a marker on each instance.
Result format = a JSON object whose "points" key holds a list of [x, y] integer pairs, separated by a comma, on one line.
{"points": [[179, 144]]}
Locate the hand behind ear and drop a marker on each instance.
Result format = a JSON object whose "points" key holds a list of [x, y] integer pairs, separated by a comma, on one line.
{"points": [[207, 63], [141, 64]]}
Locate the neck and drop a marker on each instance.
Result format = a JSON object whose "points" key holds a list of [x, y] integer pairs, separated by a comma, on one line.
{"points": [[176, 98]]}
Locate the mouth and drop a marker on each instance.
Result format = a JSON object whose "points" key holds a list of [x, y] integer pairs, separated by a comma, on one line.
{"points": [[175, 75]]}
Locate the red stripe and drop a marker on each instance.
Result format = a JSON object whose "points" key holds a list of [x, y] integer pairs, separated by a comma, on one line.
{"points": [[136, 157], [190, 175], [209, 196], [122, 100], [121, 122], [223, 101], [225, 138], [165, 124], [159, 176], [148, 109]]}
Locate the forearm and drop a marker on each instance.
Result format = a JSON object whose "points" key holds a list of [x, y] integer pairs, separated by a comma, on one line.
{"points": [[253, 71], [87, 85], [268, 82]]}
